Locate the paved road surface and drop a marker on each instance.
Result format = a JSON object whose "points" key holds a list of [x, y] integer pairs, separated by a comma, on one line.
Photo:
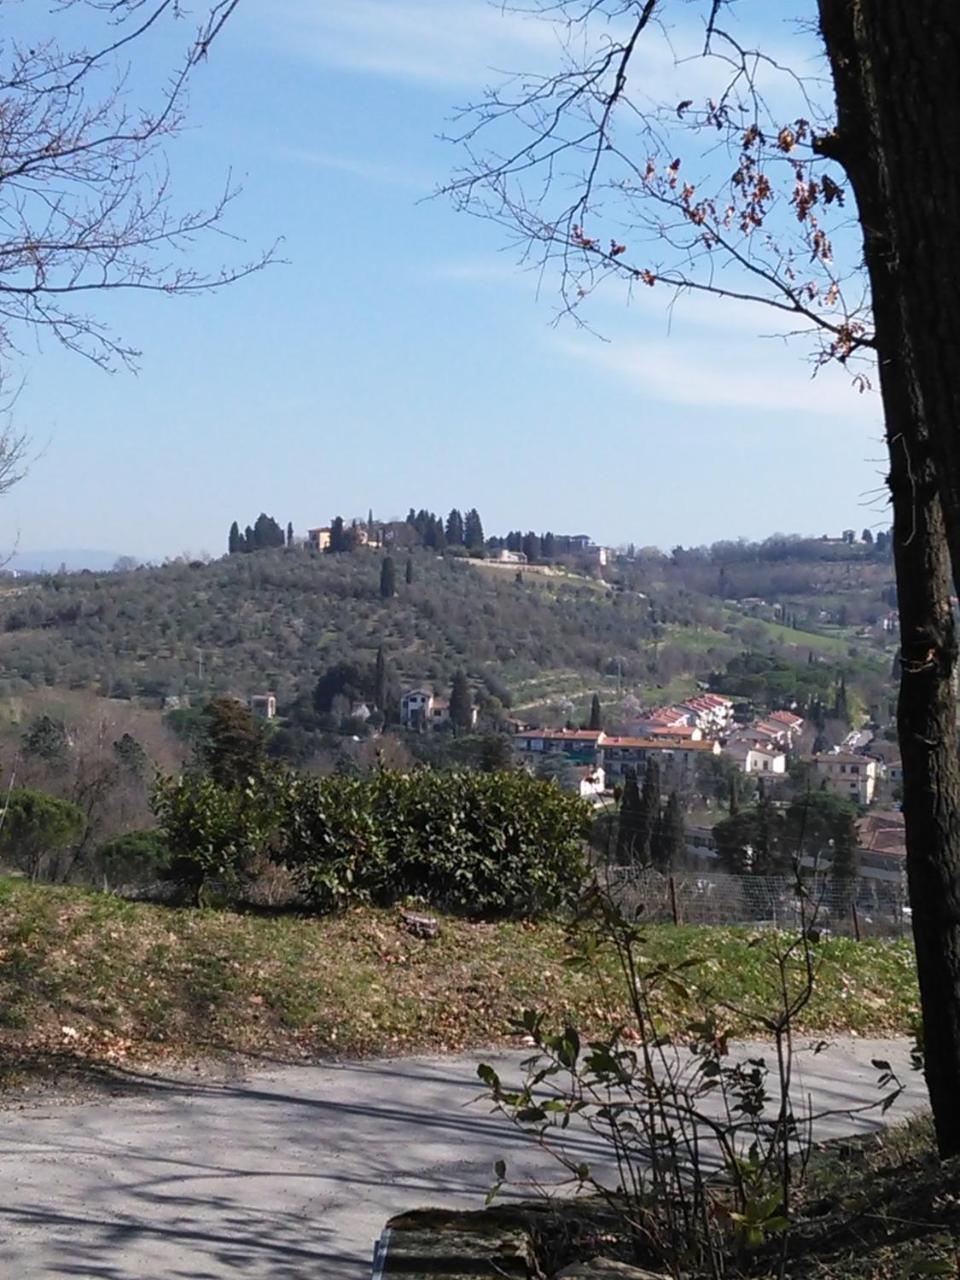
{"points": [[283, 1174]]}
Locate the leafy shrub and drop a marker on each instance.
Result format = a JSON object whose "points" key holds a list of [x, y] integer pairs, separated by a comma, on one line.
{"points": [[136, 858], [215, 833], [485, 844], [36, 828]]}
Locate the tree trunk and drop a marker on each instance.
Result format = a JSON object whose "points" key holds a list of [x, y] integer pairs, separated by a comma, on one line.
{"points": [[906, 53], [926, 712]]}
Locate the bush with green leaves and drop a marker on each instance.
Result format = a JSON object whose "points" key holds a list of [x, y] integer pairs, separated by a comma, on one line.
{"points": [[135, 858], [36, 829], [495, 844], [215, 833]]}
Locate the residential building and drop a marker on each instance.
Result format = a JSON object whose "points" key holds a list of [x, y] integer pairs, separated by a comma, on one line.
{"points": [[264, 705], [792, 723], [422, 709], [591, 782], [846, 774], [318, 539], [503, 556], [578, 746], [678, 760], [661, 720], [764, 758], [711, 712]]}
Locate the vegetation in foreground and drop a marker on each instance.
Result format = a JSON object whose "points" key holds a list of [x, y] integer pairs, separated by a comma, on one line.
{"points": [[105, 979]]}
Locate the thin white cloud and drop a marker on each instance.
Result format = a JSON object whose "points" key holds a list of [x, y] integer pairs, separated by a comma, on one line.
{"points": [[482, 270], [757, 376], [439, 42], [369, 170]]}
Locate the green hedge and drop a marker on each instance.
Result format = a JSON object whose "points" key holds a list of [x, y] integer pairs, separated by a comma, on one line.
{"points": [[496, 844]]}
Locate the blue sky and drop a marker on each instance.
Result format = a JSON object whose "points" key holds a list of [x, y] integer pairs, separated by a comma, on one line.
{"points": [[400, 358]]}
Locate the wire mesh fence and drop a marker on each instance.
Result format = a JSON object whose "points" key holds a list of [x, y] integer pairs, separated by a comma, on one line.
{"points": [[860, 909]]}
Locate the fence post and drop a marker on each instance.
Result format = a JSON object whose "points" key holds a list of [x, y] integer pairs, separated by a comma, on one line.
{"points": [[856, 920], [673, 901]]}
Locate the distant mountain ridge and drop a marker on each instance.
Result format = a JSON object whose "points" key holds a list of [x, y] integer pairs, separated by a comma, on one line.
{"points": [[74, 559]]}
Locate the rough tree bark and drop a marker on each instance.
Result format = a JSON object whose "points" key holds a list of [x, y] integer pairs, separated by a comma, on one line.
{"points": [[921, 497]]}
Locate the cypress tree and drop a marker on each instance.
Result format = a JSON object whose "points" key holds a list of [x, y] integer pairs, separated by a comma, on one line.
{"points": [[249, 543], [461, 703], [289, 533], [734, 805], [649, 817], [595, 713], [380, 681], [338, 535], [408, 574], [234, 539], [670, 839], [473, 531], [388, 579], [454, 529], [628, 825]]}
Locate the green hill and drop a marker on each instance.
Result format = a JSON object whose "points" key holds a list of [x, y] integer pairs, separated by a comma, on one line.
{"points": [[278, 618]]}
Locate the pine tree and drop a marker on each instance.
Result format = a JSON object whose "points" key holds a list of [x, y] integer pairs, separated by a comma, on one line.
{"points": [[595, 712], [234, 539], [408, 574], [454, 529], [461, 703], [388, 579], [473, 531]]}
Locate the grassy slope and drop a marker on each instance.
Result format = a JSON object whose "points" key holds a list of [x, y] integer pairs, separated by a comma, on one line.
{"points": [[92, 973]]}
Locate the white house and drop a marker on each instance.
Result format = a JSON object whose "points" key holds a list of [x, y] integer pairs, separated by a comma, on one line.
{"points": [[422, 709], [757, 757], [848, 775]]}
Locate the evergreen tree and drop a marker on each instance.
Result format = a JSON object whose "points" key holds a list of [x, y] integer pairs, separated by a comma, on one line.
{"points": [[46, 740], [388, 579], [531, 547], [845, 868], [670, 838], [338, 535], [629, 821], [248, 542], [649, 816], [867, 537], [496, 754], [455, 531], [473, 531], [289, 533], [408, 573], [234, 539], [841, 707], [461, 703], [548, 546], [734, 805], [380, 681], [231, 748], [595, 712]]}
